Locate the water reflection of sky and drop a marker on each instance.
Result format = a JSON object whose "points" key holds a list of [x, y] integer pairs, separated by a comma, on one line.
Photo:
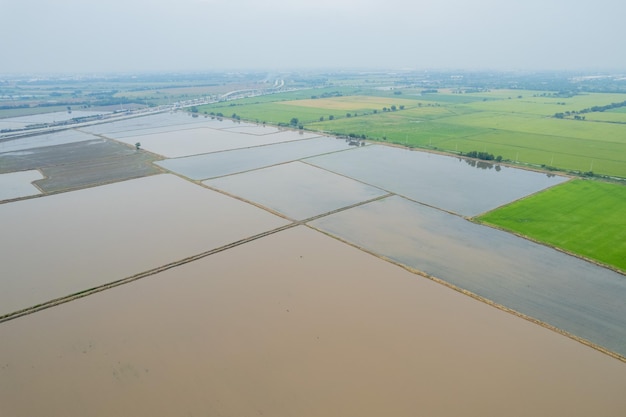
{"points": [[437, 180], [218, 164], [566, 292], [296, 190], [23, 121]]}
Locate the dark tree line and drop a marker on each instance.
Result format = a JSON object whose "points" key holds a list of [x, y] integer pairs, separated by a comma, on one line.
{"points": [[593, 109]]}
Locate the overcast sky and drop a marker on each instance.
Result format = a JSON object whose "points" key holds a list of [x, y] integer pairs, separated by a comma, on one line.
{"points": [[70, 36]]}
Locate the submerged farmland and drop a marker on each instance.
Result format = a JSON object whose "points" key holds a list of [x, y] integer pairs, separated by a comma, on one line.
{"points": [[255, 270]]}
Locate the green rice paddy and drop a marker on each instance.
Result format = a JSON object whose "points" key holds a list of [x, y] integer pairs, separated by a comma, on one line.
{"points": [[584, 217], [519, 125]]}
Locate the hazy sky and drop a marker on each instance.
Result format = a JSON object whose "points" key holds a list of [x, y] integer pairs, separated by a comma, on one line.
{"points": [[41, 36]]}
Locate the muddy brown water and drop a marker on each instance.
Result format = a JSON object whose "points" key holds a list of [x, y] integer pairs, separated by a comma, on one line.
{"points": [[564, 291], [295, 324], [57, 245]]}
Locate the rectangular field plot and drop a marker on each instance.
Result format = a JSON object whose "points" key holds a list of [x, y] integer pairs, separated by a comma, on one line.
{"points": [[43, 118], [39, 141], [296, 190], [201, 167], [253, 129], [295, 324], [444, 182], [563, 291], [584, 217], [81, 164], [157, 123], [206, 140], [19, 184], [58, 245]]}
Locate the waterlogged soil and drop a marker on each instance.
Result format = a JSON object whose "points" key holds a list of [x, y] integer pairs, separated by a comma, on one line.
{"points": [[201, 167], [66, 243], [296, 324], [453, 184], [81, 164], [297, 190], [19, 184], [573, 295]]}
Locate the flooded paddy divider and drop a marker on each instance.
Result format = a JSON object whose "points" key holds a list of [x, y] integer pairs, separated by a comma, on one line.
{"points": [[218, 164], [563, 291], [437, 180], [295, 323], [206, 140], [298, 191], [67, 243]]}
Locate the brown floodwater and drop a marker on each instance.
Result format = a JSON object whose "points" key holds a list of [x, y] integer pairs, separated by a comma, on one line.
{"points": [[570, 294], [295, 324], [61, 244]]}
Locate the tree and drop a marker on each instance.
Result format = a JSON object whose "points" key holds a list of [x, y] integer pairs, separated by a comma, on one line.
{"points": [[321, 118], [393, 107], [294, 121], [331, 117]]}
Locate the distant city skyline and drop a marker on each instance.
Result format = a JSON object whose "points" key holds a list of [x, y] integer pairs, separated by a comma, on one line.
{"points": [[72, 36]]}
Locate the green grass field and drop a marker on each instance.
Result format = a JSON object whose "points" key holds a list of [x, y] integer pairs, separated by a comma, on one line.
{"points": [[516, 124], [584, 217]]}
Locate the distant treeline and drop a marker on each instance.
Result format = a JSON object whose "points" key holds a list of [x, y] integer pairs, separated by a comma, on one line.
{"points": [[591, 109]]}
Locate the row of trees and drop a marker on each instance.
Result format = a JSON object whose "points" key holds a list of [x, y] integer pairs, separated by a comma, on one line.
{"points": [[485, 156], [590, 110]]}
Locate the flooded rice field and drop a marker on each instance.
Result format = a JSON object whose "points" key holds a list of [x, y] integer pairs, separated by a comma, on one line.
{"points": [[23, 121], [195, 302], [157, 123], [19, 184], [80, 164], [295, 324], [70, 242], [296, 190], [440, 181], [563, 291], [50, 139], [213, 165], [205, 140]]}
